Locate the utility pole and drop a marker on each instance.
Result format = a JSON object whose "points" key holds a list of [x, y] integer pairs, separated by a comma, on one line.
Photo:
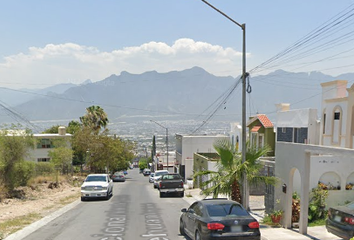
{"points": [[245, 194], [166, 139]]}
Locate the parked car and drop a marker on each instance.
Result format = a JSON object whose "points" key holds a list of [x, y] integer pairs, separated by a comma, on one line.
{"points": [[210, 219], [146, 172], [118, 177], [151, 177], [158, 174], [125, 172], [171, 183], [97, 186], [340, 221]]}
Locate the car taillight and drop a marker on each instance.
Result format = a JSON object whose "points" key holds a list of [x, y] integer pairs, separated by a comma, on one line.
{"points": [[253, 225], [160, 184], [349, 220], [215, 226]]}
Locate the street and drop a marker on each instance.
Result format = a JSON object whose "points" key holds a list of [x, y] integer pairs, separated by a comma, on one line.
{"points": [[134, 212]]}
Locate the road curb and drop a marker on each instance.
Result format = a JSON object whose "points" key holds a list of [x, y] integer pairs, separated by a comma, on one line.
{"points": [[24, 232]]}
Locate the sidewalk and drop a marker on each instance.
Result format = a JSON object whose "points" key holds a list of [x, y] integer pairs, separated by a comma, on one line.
{"points": [[267, 232]]}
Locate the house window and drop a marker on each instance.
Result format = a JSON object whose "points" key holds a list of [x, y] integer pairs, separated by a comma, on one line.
{"points": [[44, 143], [337, 124], [43, 159], [324, 124], [283, 130], [337, 116]]}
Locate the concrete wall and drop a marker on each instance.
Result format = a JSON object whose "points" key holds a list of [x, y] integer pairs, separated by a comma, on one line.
{"points": [[312, 162]]}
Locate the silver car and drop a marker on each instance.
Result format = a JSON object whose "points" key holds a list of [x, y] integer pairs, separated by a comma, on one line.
{"points": [[151, 177], [97, 186]]}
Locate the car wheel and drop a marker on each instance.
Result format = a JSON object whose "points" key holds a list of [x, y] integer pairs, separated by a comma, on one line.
{"points": [[181, 228], [181, 194], [83, 199], [162, 194], [197, 235]]}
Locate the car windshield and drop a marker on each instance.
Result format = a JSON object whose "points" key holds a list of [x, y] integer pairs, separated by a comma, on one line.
{"points": [[223, 210], [95, 179]]}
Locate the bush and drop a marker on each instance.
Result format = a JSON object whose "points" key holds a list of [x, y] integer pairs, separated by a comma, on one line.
{"points": [[24, 172], [44, 169], [317, 206]]}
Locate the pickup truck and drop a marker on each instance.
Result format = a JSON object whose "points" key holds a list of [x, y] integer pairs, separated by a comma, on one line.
{"points": [[171, 183]]}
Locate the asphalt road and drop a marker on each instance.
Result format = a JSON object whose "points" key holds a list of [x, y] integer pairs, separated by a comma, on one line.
{"points": [[134, 212]]}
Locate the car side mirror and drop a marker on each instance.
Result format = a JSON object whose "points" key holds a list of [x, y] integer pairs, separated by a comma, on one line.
{"points": [[183, 210]]}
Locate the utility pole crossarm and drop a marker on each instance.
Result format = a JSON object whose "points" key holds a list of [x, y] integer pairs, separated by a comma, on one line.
{"points": [[240, 25]]}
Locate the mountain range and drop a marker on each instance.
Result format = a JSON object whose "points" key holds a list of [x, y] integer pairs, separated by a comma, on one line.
{"points": [[189, 94]]}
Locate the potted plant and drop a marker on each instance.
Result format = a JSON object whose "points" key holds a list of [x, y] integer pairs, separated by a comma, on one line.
{"points": [[276, 216]]}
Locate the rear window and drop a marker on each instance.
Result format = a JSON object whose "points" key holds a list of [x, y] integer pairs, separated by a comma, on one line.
{"points": [[160, 173], [223, 210], [96, 179], [171, 177]]}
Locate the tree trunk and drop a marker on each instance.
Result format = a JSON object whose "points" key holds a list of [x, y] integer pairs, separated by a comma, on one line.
{"points": [[236, 192]]}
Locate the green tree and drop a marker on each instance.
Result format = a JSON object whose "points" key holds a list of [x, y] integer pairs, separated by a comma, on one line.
{"points": [[227, 179], [14, 147], [143, 163], [73, 127], [61, 158], [153, 148], [53, 129], [102, 152], [95, 118]]}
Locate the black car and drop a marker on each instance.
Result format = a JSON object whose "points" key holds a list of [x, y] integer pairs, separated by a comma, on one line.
{"points": [[340, 221], [221, 219]]}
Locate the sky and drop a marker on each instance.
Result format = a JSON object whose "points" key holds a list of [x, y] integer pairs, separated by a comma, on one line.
{"points": [[44, 43]]}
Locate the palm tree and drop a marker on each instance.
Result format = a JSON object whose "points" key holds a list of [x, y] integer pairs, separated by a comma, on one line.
{"points": [[227, 179], [95, 118]]}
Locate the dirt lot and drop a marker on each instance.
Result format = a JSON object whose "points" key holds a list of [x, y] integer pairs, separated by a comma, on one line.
{"points": [[37, 202]]}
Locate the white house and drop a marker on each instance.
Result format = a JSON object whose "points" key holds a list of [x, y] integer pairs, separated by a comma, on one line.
{"points": [[236, 135], [187, 145], [44, 143], [303, 162]]}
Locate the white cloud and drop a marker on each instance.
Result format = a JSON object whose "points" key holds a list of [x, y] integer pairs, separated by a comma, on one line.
{"points": [[71, 62]]}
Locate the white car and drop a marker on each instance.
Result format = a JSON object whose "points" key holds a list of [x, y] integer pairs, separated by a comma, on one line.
{"points": [[97, 186], [157, 176]]}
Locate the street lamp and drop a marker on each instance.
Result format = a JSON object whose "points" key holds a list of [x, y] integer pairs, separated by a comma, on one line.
{"points": [[245, 199], [166, 139]]}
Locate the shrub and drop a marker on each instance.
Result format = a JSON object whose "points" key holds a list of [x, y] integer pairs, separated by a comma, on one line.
{"points": [[44, 169], [24, 172], [317, 204]]}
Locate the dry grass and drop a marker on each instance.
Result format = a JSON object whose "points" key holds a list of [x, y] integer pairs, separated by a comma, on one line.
{"points": [[18, 223], [38, 200]]}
